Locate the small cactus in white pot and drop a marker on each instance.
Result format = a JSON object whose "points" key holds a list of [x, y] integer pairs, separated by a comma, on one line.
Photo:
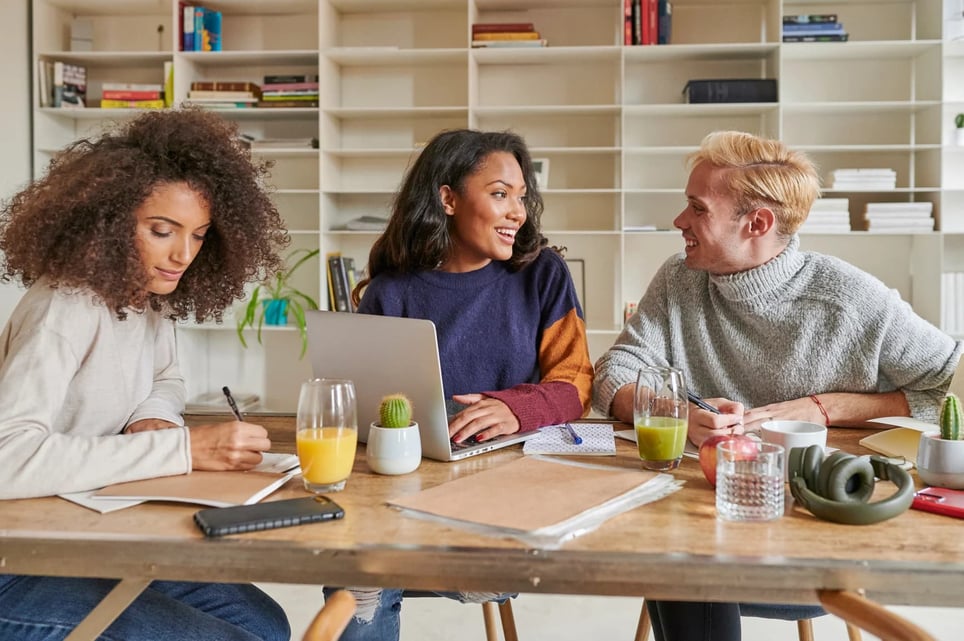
{"points": [[940, 455], [394, 443]]}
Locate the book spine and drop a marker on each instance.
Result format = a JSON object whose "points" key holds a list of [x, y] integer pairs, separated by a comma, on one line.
{"points": [[187, 28], [199, 29], [296, 77], [131, 104], [627, 22], [218, 85], [113, 94], [58, 85], [289, 86], [491, 27], [508, 35], [637, 10], [664, 22], [168, 83], [653, 15], [337, 284], [212, 30], [830, 37], [509, 43], [805, 18], [352, 277], [828, 27], [288, 103]]}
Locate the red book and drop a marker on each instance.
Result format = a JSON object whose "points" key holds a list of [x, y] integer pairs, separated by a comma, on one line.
{"points": [[628, 22], [112, 94], [496, 27]]}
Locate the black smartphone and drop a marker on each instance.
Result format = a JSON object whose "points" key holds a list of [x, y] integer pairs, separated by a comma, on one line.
{"points": [[218, 521]]}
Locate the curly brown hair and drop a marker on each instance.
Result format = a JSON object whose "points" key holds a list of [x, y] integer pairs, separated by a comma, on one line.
{"points": [[75, 226]]}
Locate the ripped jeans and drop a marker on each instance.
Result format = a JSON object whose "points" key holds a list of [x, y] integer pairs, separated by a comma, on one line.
{"points": [[378, 613]]}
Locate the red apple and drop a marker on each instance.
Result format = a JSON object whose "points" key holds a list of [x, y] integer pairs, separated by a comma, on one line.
{"points": [[708, 452]]}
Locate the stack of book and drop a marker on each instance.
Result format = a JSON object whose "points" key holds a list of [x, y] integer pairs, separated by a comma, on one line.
{"points": [[341, 281], [828, 216], [863, 179], [813, 27], [899, 217], [647, 22], [69, 85], [223, 94], [128, 95], [290, 90], [200, 29], [506, 34]]}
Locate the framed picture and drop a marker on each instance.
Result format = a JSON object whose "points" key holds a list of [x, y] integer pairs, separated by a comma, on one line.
{"points": [[577, 268], [541, 168]]}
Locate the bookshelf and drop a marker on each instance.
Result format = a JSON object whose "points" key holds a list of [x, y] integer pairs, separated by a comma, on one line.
{"points": [[609, 118]]}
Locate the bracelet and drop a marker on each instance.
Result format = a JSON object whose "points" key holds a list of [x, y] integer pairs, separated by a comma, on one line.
{"points": [[823, 410]]}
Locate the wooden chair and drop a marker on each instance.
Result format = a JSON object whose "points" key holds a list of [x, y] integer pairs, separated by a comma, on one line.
{"points": [[872, 617], [491, 625], [804, 627], [332, 618]]}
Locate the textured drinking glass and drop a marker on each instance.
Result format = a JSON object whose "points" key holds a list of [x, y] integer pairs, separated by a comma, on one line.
{"points": [[749, 481], [327, 433], [660, 415]]}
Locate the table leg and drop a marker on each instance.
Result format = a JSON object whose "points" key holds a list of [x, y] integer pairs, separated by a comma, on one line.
{"points": [[108, 609]]}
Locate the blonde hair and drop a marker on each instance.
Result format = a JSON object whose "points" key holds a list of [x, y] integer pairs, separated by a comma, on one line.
{"points": [[763, 173]]}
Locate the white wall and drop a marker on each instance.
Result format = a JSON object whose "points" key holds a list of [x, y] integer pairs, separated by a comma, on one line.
{"points": [[14, 116]]}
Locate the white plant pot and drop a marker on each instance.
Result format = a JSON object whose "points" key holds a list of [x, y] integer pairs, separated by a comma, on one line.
{"points": [[959, 137], [393, 450], [940, 463]]}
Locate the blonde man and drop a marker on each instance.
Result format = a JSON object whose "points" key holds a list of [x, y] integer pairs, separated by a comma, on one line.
{"points": [[753, 322]]}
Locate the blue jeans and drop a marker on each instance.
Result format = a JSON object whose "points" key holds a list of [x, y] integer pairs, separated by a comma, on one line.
{"points": [[695, 621], [378, 615], [41, 608]]}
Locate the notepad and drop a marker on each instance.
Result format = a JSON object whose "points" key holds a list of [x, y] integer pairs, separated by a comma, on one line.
{"points": [[597, 440], [902, 441]]}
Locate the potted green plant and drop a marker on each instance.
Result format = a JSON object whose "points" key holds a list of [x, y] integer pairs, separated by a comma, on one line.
{"points": [[394, 444], [940, 455], [276, 298], [959, 132]]}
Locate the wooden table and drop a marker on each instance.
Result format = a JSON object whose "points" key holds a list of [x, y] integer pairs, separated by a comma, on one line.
{"points": [[672, 549]]}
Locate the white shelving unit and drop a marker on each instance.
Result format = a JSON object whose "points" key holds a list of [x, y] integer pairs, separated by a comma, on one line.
{"points": [[610, 119]]}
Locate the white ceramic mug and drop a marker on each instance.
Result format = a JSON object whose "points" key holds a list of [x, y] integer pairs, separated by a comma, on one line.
{"points": [[791, 434]]}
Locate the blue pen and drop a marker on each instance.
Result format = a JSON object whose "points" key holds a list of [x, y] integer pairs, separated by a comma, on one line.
{"points": [[572, 433], [699, 402]]}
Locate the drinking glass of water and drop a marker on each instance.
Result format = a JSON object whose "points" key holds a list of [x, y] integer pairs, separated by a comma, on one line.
{"points": [[749, 481]]}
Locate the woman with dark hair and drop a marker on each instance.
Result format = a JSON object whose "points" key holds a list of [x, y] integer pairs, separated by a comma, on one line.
{"points": [[162, 219], [464, 249]]}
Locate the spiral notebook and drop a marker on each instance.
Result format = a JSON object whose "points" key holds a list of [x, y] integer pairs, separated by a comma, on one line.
{"points": [[597, 440]]}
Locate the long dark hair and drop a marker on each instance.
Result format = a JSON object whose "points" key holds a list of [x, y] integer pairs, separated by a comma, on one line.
{"points": [[417, 236]]}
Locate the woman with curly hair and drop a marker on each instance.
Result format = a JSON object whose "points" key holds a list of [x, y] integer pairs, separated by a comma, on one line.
{"points": [[162, 219], [464, 248]]}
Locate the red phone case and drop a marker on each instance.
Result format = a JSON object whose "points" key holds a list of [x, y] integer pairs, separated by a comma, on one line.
{"points": [[940, 500]]}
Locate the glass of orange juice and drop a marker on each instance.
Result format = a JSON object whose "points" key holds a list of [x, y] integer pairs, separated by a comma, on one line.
{"points": [[660, 412], [327, 434]]}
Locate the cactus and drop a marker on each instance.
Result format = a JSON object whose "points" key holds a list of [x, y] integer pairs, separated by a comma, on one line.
{"points": [[395, 411], [951, 418]]}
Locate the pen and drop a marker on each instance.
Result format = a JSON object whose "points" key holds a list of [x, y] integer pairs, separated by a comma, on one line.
{"points": [[699, 402], [572, 432], [234, 406]]}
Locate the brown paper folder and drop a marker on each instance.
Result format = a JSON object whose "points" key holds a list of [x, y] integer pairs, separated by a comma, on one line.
{"points": [[537, 499], [217, 489]]}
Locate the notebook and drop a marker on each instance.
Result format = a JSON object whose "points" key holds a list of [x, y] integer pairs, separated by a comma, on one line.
{"points": [[597, 440], [388, 355]]}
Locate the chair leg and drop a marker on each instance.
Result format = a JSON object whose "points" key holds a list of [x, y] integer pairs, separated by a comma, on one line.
{"points": [[853, 633], [805, 629], [491, 626], [643, 626], [508, 621]]}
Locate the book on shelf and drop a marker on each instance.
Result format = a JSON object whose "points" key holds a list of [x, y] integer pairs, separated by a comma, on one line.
{"points": [[225, 85], [495, 44], [211, 35], [830, 204], [809, 18], [289, 86], [495, 27], [187, 28], [829, 37], [306, 97], [507, 35], [790, 28], [731, 90], [219, 104], [69, 85], [108, 103], [664, 22], [339, 295], [628, 22], [364, 223], [118, 94], [284, 104], [272, 79], [207, 94], [903, 209], [259, 144]]}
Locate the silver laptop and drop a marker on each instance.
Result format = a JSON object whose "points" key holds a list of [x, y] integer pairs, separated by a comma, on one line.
{"points": [[386, 355]]}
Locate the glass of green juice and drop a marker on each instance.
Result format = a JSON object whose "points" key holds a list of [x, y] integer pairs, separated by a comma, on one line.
{"points": [[660, 415]]}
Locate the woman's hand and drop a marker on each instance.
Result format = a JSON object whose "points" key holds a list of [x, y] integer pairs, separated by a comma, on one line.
{"points": [[234, 445], [704, 423], [484, 418], [148, 424]]}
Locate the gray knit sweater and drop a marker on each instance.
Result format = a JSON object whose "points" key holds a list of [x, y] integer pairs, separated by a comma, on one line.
{"points": [[803, 323]]}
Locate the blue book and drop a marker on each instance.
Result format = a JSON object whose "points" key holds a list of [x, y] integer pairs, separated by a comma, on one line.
{"points": [[199, 28], [815, 27], [212, 30], [187, 29]]}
